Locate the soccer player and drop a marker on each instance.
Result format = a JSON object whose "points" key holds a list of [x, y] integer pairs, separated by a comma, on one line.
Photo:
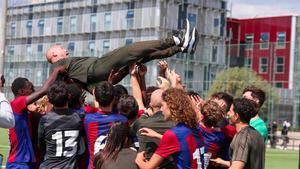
{"points": [[258, 96], [88, 71], [184, 142], [59, 131], [247, 147], [211, 113], [97, 124], [21, 153]]}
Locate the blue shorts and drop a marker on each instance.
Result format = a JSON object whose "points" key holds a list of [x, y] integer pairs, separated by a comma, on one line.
{"points": [[20, 165]]}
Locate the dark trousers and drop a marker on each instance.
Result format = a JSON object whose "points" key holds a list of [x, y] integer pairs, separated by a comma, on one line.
{"points": [[121, 58]]}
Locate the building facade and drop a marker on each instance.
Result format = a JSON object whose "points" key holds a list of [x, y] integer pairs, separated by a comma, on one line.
{"points": [[94, 27], [268, 46]]}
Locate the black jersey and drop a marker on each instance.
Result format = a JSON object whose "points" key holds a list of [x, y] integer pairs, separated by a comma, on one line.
{"points": [[59, 134]]}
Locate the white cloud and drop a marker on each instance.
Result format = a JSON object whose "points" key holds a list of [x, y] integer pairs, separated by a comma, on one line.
{"points": [[247, 10]]}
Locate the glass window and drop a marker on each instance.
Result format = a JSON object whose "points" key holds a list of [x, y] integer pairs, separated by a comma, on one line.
{"points": [[29, 28], [281, 39], [216, 26], [11, 51], [40, 51], [93, 22], [249, 41], [189, 76], [13, 29], [248, 62], [105, 46], [264, 40], [128, 42], [92, 48], [129, 19], [278, 85], [71, 48], [41, 27], [214, 54], [59, 25], [263, 65], [107, 21], [73, 24], [279, 64], [192, 19]]}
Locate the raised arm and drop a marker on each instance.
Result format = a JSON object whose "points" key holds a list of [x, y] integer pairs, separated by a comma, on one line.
{"points": [[136, 90], [41, 92]]}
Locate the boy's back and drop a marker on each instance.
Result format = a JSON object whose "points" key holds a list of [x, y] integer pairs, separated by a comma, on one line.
{"points": [[59, 134]]}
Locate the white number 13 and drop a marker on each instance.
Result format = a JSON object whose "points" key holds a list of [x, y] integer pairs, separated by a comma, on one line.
{"points": [[70, 142]]}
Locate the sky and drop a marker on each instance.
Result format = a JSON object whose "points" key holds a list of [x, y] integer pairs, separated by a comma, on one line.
{"points": [[260, 8]]}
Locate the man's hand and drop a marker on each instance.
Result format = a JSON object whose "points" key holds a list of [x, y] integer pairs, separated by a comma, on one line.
{"points": [[142, 70], [163, 66], [150, 133]]}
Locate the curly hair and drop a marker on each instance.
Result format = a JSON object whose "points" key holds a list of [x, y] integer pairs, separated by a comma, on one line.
{"points": [[212, 113], [245, 108], [180, 107]]}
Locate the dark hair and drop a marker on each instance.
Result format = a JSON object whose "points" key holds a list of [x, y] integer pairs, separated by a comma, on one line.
{"points": [[128, 107], [2, 80], [223, 96], [119, 90], [245, 108], [104, 93], [212, 113], [75, 94], [58, 94], [117, 139], [17, 84], [256, 93], [192, 93]]}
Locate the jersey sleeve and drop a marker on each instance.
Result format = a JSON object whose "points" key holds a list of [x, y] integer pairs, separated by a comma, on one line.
{"points": [[19, 105], [168, 145]]}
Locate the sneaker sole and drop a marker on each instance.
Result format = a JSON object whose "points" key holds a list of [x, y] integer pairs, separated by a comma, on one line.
{"points": [[187, 34], [194, 41]]}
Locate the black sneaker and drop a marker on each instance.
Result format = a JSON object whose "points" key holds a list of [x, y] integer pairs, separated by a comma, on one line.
{"points": [[193, 42]]}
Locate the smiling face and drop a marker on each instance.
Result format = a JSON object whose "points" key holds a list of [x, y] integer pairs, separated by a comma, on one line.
{"points": [[56, 53]]}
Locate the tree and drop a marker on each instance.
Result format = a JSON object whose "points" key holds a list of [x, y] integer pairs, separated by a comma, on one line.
{"points": [[234, 80]]}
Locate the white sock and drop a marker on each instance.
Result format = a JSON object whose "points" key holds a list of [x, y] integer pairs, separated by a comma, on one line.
{"points": [[176, 40]]}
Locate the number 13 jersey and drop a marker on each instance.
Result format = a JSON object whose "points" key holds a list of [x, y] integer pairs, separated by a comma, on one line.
{"points": [[59, 134]]}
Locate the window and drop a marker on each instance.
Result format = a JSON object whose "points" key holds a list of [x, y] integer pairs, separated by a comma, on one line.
{"points": [[249, 41], [263, 65], [216, 26], [73, 24], [59, 25], [107, 21], [93, 22], [192, 19], [280, 39], [29, 28], [248, 62], [189, 75], [92, 48], [41, 27], [264, 40], [105, 46], [13, 29], [278, 85], [40, 51], [129, 18], [71, 48], [11, 51], [214, 54], [279, 64], [29, 50], [128, 42]]}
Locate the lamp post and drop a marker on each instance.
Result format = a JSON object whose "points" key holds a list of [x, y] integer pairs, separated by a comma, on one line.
{"points": [[3, 9]]}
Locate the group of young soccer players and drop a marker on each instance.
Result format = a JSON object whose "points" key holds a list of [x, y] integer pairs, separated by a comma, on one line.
{"points": [[164, 126]]}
